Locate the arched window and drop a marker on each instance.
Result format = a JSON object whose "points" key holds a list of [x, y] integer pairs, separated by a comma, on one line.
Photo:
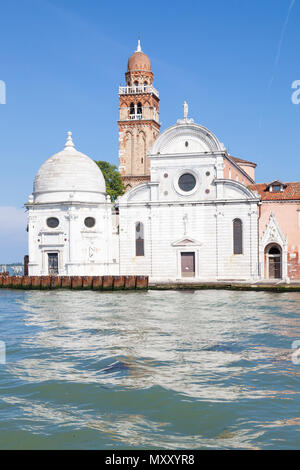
{"points": [[132, 109], [237, 237], [139, 239], [139, 108]]}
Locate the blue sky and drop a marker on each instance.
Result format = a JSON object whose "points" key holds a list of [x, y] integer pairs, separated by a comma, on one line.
{"points": [[233, 61]]}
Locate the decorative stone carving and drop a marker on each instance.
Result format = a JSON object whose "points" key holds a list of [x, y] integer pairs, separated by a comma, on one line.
{"points": [[273, 234], [91, 251], [185, 220], [186, 242]]}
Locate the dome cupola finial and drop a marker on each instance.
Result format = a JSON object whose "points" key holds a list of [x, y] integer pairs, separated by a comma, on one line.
{"points": [[139, 49], [69, 143]]}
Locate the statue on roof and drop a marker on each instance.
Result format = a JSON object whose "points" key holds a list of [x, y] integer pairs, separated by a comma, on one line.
{"points": [[185, 110]]}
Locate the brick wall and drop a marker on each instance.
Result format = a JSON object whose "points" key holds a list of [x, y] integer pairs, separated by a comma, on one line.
{"points": [[294, 266]]}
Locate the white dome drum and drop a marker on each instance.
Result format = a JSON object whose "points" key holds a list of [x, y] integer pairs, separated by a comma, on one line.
{"points": [[69, 176]]}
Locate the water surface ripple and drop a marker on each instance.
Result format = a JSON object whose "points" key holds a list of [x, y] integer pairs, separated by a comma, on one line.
{"points": [[149, 370]]}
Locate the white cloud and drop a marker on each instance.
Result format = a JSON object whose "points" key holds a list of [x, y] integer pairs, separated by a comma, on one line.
{"points": [[13, 235]]}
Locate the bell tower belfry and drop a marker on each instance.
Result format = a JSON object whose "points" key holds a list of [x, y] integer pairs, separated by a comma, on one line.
{"points": [[138, 119]]}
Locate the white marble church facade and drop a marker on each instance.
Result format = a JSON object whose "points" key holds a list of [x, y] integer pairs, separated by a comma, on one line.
{"points": [[187, 212], [188, 222]]}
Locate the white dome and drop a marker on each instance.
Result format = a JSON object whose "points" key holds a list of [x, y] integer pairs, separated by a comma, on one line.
{"points": [[68, 176]]}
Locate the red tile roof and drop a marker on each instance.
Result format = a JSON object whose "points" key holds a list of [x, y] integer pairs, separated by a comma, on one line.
{"points": [[291, 191], [241, 161]]}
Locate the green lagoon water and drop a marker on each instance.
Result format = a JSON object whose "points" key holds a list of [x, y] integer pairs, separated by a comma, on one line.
{"points": [[149, 370]]}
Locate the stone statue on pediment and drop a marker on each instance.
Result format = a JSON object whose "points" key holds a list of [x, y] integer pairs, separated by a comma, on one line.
{"points": [[185, 110]]}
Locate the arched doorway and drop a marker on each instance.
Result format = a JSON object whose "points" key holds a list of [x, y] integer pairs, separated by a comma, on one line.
{"points": [[273, 261]]}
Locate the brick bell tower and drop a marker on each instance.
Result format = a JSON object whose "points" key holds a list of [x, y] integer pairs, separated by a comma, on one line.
{"points": [[138, 119]]}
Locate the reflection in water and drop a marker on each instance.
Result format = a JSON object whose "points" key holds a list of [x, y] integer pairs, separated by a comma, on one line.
{"points": [[173, 370]]}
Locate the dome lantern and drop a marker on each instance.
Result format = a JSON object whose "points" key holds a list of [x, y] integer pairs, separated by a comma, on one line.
{"points": [[139, 61]]}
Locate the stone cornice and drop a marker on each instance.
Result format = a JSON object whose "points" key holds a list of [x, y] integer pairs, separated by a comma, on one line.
{"points": [[186, 155], [64, 203], [280, 201], [208, 202], [138, 123]]}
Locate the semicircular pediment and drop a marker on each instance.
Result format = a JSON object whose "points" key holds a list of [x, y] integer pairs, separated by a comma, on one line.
{"points": [[186, 138]]}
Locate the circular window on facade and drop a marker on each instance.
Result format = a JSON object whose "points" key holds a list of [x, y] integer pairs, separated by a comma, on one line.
{"points": [[187, 182], [52, 222], [89, 222]]}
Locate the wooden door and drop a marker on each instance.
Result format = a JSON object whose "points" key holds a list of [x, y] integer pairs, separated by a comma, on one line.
{"points": [[188, 264], [275, 267]]}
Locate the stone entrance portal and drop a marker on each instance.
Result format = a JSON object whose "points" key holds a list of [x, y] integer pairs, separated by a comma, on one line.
{"points": [[273, 257]]}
